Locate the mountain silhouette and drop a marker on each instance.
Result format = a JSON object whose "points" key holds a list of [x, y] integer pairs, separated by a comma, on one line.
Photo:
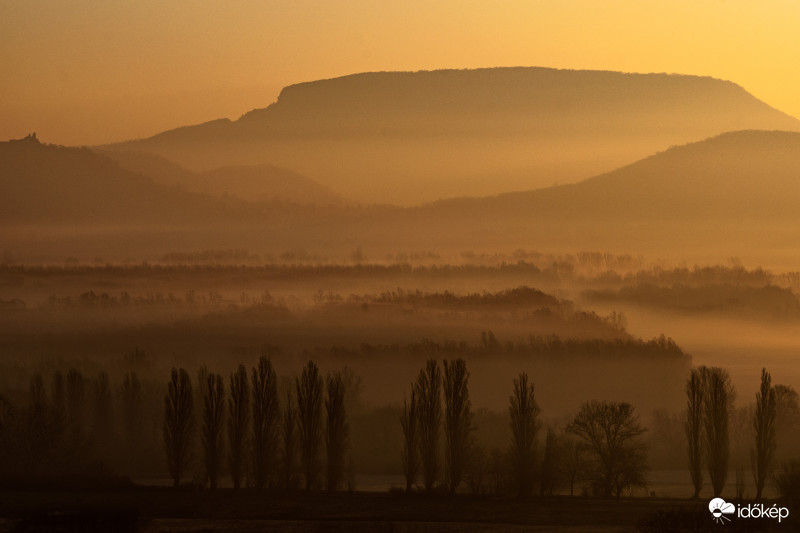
{"points": [[259, 183], [753, 175], [738, 190], [411, 137], [45, 184], [733, 194]]}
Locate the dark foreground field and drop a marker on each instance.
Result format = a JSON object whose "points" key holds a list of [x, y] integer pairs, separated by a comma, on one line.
{"points": [[189, 511]]}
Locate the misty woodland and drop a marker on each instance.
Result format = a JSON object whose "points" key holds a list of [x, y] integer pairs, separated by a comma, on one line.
{"points": [[455, 300]]}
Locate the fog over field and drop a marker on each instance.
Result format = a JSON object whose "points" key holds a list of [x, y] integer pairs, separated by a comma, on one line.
{"points": [[511, 283]]}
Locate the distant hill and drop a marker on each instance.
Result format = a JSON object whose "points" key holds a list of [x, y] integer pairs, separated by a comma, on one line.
{"points": [[745, 175], [735, 194], [731, 195], [260, 183], [410, 137], [44, 184]]}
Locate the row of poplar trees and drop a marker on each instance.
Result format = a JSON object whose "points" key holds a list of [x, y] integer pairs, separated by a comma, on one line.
{"points": [[260, 438], [421, 421], [710, 398]]}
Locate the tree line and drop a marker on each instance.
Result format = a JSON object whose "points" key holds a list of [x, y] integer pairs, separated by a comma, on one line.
{"points": [[275, 445], [240, 425], [710, 412], [605, 447]]}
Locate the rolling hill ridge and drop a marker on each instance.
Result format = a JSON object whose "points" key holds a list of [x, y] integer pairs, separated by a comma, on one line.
{"points": [[411, 137], [729, 193]]}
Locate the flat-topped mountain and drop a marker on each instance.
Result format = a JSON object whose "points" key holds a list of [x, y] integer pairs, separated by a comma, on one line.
{"points": [[411, 137]]}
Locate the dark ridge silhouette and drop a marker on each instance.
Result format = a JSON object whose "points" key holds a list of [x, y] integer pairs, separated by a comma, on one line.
{"points": [[745, 174], [730, 194], [258, 183], [44, 184], [408, 137]]}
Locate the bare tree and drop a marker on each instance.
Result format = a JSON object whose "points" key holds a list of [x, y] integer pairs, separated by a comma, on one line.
{"points": [[524, 413], [103, 416], [694, 428], [213, 422], [59, 397], [612, 430], [37, 432], [200, 475], [309, 410], [719, 397], [238, 424], [573, 461], [429, 384], [741, 429], [336, 430], [76, 391], [549, 479], [289, 443], [265, 421], [476, 469], [354, 387], [6, 414], [457, 420], [409, 422], [764, 426], [178, 423], [787, 421], [131, 398]]}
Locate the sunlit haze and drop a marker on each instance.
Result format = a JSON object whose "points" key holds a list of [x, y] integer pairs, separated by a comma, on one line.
{"points": [[93, 71]]}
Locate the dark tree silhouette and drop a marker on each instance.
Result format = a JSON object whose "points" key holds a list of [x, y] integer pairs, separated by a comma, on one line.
{"points": [[131, 419], [524, 413], [428, 388], [573, 461], [719, 397], [409, 422], [457, 420], [200, 475], [694, 428], [102, 428], [238, 424], [59, 397], [178, 423], [37, 431], [336, 430], [6, 414], [787, 420], [612, 430], [213, 422], [764, 425], [309, 410], [476, 469], [266, 414], [550, 475], [131, 400], [289, 444], [76, 391]]}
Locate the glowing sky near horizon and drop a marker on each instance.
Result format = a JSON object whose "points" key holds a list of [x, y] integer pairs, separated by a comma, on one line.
{"points": [[95, 71]]}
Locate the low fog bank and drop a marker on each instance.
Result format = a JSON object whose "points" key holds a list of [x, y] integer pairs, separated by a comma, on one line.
{"points": [[587, 326]]}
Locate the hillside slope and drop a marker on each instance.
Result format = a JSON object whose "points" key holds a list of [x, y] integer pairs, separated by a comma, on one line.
{"points": [[259, 183], [411, 137], [45, 184], [731, 195]]}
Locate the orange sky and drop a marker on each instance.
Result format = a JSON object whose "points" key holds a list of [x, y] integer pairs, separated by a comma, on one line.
{"points": [[94, 71]]}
